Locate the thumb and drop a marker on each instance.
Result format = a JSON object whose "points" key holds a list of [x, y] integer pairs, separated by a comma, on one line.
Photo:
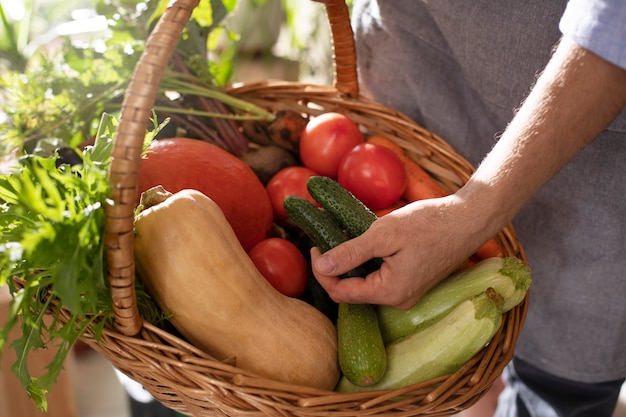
{"points": [[344, 257]]}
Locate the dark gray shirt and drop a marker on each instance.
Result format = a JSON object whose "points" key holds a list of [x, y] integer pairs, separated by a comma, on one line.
{"points": [[461, 69]]}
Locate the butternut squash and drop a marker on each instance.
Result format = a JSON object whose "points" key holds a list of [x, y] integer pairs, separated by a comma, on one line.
{"points": [[195, 268]]}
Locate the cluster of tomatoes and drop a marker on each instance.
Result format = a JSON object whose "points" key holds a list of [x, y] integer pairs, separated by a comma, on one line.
{"points": [[331, 145]]}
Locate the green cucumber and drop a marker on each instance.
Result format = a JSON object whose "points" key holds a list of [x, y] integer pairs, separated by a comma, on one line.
{"points": [[355, 216], [362, 356], [441, 348], [509, 276], [320, 226]]}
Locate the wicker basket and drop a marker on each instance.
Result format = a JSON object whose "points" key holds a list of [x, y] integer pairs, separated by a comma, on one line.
{"points": [[189, 381]]}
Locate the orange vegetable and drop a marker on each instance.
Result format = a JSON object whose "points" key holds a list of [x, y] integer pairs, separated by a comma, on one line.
{"points": [[489, 249], [396, 205], [468, 263], [420, 186]]}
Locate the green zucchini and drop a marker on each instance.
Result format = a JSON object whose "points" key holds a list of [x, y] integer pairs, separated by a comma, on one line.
{"points": [[441, 348], [509, 276], [362, 356]]}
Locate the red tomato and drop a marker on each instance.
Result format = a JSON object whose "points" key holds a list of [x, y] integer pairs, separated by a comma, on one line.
{"points": [[288, 181], [325, 140], [374, 174], [282, 264]]}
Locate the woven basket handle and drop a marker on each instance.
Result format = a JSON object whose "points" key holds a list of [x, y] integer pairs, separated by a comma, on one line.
{"points": [[344, 54], [136, 111]]}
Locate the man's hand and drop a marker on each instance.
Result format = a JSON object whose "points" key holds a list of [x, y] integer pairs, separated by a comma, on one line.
{"points": [[420, 244]]}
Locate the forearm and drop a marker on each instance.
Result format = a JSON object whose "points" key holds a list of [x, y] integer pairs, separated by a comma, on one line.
{"points": [[574, 99]]}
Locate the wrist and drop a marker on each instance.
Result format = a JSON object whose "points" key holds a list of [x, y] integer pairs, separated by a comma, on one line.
{"points": [[484, 212]]}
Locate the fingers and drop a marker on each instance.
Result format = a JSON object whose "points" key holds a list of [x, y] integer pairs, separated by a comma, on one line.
{"points": [[375, 288], [328, 267], [344, 257], [367, 290], [341, 290], [348, 256]]}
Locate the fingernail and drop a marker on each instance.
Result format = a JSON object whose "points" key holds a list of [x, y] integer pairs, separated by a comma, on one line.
{"points": [[325, 265]]}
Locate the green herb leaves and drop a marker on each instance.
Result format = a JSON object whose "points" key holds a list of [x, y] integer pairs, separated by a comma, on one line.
{"points": [[51, 228]]}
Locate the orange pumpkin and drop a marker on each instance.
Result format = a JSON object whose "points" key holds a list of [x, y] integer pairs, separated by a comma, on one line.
{"points": [[182, 163]]}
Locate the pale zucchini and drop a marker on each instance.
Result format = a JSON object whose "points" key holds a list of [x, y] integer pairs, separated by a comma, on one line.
{"points": [[509, 276], [441, 348]]}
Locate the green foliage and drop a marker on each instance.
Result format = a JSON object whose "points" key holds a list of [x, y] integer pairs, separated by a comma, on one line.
{"points": [[51, 239], [63, 96], [22, 36], [51, 229], [62, 101], [10, 49]]}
